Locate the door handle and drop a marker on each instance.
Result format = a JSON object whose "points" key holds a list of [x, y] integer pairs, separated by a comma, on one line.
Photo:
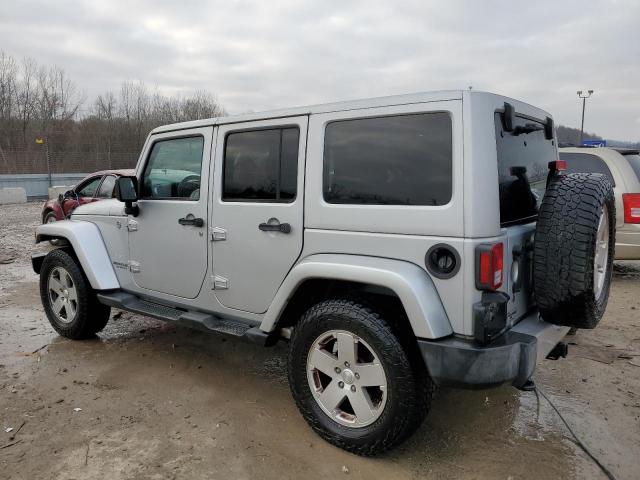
{"points": [[275, 227], [190, 220]]}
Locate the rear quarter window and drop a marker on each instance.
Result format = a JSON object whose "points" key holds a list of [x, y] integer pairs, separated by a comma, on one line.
{"points": [[586, 163], [392, 160]]}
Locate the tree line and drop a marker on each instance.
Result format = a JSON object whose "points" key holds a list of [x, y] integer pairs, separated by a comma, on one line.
{"points": [[47, 122]]}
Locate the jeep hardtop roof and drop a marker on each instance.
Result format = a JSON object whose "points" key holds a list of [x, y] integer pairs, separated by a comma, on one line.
{"points": [[406, 99]]}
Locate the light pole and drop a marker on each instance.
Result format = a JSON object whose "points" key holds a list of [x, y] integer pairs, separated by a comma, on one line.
{"points": [[584, 100]]}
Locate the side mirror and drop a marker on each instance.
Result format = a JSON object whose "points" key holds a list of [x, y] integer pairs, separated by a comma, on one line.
{"points": [[127, 192]]}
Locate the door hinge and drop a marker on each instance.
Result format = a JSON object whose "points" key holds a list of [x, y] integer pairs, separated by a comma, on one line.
{"points": [[132, 225], [218, 234], [219, 283], [134, 266]]}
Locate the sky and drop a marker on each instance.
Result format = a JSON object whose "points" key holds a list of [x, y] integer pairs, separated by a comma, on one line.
{"points": [[259, 55]]}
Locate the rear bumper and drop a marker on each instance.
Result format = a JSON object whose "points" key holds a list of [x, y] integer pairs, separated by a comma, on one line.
{"points": [[628, 243], [510, 359]]}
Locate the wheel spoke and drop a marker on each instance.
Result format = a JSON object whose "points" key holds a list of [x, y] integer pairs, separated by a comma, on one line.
{"points": [[70, 310], [73, 295], [323, 361], [332, 396], [362, 406], [55, 285], [68, 283], [346, 348], [58, 305], [371, 375]]}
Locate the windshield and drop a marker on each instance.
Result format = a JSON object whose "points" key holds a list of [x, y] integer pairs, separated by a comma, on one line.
{"points": [[523, 161], [634, 161]]}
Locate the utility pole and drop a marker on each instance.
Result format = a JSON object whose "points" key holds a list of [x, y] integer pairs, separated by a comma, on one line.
{"points": [[584, 100]]}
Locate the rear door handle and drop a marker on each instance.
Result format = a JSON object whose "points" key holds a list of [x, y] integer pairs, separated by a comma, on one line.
{"points": [[275, 227], [191, 220]]}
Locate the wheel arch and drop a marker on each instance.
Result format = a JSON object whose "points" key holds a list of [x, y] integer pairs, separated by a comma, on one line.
{"points": [[323, 275], [85, 240]]}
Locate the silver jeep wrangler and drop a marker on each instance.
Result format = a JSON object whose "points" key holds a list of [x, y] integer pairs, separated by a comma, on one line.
{"points": [[397, 243]]}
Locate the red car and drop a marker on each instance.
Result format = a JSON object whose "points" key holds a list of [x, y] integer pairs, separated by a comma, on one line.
{"points": [[92, 188]]}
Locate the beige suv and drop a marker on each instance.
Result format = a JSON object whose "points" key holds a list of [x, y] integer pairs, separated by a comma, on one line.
{"points": [[622, 167]]}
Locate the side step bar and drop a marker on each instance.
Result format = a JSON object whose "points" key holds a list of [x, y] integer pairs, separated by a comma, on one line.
{"points": [[201, 321]]}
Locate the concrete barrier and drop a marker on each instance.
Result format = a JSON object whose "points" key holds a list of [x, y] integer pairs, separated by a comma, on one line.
{"points": [[12, 195], [37, 184], [58, 190]]}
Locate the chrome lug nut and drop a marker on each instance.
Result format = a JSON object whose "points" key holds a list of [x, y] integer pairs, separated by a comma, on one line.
{"points": [[346, 364], [357, 375], [341, 384], [353, 388], [337, 369]]}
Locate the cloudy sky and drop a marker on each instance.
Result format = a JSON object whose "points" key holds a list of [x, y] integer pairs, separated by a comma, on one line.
{"points": [[280, 53]]}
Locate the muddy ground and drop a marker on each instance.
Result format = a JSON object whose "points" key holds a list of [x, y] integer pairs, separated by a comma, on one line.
{"points": [[164, 402]]}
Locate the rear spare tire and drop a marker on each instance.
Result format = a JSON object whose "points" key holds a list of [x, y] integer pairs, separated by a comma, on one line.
{"points": [[574, 249]]}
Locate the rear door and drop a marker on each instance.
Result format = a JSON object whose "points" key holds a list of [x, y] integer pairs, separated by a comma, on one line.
{"points": [[257, 209]]}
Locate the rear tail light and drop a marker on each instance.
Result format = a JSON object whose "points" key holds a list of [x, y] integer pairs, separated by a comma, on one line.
{"points": [[631, 202], [489, 266]]}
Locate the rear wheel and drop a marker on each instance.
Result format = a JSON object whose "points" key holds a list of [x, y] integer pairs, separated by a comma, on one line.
{"points": [[69, 302], [353, 380]]}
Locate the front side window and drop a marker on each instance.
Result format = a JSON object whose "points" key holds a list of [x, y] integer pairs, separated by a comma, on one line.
{"points": [[394, 160], [173, 169], [89, 188], [106, 187], [261, 166]]}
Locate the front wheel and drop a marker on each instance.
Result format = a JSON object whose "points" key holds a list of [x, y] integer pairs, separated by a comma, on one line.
{"points": [[68, 300], [353, 380]]}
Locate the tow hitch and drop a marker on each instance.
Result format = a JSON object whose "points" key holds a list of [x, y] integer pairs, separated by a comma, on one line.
{"points": [[560, 350]]}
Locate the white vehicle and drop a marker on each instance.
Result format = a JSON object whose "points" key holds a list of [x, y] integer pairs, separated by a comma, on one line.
{"points": [[622, 167], [397, 243]]}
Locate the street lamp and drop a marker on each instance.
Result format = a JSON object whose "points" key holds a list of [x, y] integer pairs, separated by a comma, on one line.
{"points": [[584, 99]]}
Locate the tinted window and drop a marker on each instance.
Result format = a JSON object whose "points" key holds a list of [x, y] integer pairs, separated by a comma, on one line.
{"points": [[586, 163], [634, 161], [261, 165], [523, 164], [173, 169], [89, 188], [398, 160], [106, 187]]}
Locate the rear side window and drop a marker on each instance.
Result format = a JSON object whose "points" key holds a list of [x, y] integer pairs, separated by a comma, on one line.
{"points": [[395, 160], [522, 169], [586, 163], [261, 166], [634, 161]]}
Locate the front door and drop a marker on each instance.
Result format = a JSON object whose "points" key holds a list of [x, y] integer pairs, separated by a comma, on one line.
{"points": [[168, 240], [256, 217]]}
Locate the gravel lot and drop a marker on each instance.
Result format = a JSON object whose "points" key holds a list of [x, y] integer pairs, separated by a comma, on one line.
{"points": [[146, 399]]}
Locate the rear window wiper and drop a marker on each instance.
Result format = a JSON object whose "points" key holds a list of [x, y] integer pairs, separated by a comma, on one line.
{"points": [[527, 128]]}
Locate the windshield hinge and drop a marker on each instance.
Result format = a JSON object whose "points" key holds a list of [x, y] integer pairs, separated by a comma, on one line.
{"points": [[132, 225]]}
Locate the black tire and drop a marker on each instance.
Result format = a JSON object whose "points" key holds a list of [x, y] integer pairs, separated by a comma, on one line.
{"points": [[565, 248], [90, 315], [409, 387]]}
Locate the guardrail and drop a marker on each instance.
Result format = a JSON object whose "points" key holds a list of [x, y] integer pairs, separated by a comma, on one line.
{"points": [[37, 184]]}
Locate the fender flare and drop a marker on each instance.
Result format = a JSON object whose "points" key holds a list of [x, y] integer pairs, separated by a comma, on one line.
{"points": [[87, 243], [411, 284]]}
